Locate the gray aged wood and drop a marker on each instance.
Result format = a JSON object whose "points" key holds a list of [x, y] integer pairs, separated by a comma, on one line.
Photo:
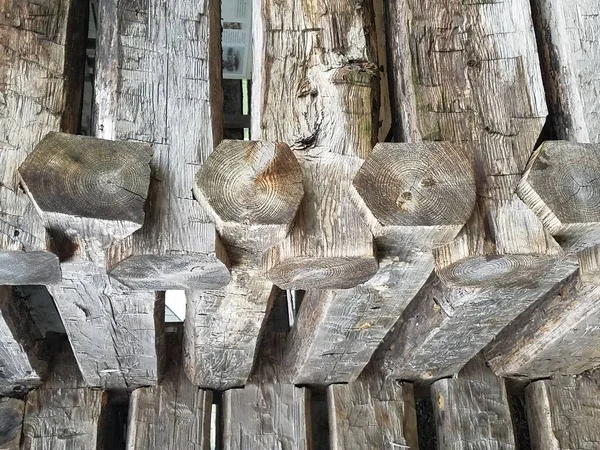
{"points": [[322, 100], [372, 413], [63, 414], [111, 328], [564, 413], [41, 70], [472, 77], [471, 411], [175, 415], [11, 423], [268, 412], [158, 81]]}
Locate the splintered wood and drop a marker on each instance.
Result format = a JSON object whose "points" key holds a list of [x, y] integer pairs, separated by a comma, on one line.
{"points": [[564, 413], [158, 81], [91, 192], [473, 77], [41, 72]]}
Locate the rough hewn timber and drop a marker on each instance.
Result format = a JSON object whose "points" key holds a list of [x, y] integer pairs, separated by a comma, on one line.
{"points": [[91, 192], [558, 334], [268, 412], [471, 410], [175, 415], [564, 413], [63, 414], [372, 414], [472, 77], [322, 100], [11, 418], [158, 81], [42, 46]]}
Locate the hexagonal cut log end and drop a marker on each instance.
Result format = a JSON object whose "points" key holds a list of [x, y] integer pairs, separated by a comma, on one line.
{"points": [[251, 191], [93, 186], [427, 184], [561, 185]]}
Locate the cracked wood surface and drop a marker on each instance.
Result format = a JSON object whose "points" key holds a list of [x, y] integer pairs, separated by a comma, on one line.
{"points": [[372, 413], [42, 50], [564, 413], [11, 418], [157, 80], [175, 414], [471, 410], [472, 77], [63, 414], [269, 412]]}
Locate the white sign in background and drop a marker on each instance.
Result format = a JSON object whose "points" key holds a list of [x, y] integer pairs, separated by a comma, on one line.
{"points": [[237, 38]]}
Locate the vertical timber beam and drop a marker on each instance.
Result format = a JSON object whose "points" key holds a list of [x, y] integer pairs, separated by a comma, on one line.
{"points": [[42, 51], [157, 81], [472, 77], [63, 414], [564, 413], [268, 412], [175, 415], [91, 192], [472, 408]]}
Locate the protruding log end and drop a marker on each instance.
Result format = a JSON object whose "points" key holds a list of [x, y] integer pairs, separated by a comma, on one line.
{"points": [[419, 184], [561, 185], [251, 191], [22, 268], [77, 180], [322, 272]]}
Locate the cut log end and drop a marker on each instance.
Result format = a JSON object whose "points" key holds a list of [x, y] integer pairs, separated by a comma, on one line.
{"points": [[22, 268], [85, 177], [424, 184], [322, 273], [174, 271], [501, 271], [252, 184]]}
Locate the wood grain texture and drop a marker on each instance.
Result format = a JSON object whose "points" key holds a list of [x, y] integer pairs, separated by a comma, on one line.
{"points": [[472, 77], [158, 81], [175, 415], [63, 414], [471, 410], [89, 193], [269, 412], [564, 413], [11, 423], [38, 52], [372, 413], [323, 101]]}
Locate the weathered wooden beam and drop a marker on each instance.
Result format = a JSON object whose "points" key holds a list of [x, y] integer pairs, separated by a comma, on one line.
{"points": [[268, 412], [11, 418], [372, 413], [564, 413], [91, 192], [472, 409], [173, 415], [42, 50], [63, 414], [158, 72], [475, 81], [322, 100]]}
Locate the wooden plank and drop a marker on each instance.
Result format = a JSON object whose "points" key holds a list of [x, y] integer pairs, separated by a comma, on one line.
{"points": [[471, 410], [475, 81], [41, 74], [63, 414], [11, 417], [182, 409], [564, 413], [268, 412], [372, 413], [157, 80], [323, 102], [111, 328]]}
